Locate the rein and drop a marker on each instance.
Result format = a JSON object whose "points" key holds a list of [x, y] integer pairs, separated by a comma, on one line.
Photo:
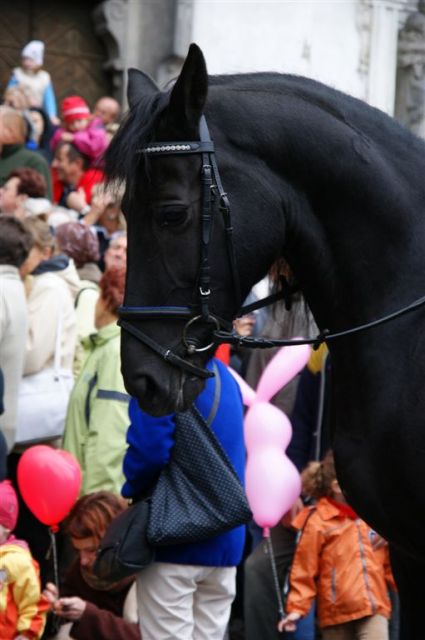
{"points": [[212, 189], [324, 336]]}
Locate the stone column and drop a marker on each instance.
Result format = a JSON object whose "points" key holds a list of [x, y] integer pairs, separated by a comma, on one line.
{"points": [[384, 24], [136, 34], [410, 97], [110, 25]]}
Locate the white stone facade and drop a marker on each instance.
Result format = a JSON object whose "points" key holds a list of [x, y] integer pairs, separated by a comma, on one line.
{"points": [[348, 44]]}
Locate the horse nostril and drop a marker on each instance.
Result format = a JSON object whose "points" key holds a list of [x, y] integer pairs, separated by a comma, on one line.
{"points": [[146, 388]]}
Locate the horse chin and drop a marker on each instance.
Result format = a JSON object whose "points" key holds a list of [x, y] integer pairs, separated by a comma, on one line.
{"points": [[162, 399]]}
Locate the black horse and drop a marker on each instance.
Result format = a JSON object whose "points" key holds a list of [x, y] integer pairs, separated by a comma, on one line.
{"points": [[336, 188]]}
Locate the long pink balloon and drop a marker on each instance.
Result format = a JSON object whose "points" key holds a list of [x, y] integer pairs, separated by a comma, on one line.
{"points": [[284, 366], [272, 481], [248, 394]]}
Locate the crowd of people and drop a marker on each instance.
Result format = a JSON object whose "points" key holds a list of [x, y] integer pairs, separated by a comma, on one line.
{"points": [[62, 276]]}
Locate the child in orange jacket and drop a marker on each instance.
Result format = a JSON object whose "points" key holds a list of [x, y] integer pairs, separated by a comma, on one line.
{"points": [[335, 562]]}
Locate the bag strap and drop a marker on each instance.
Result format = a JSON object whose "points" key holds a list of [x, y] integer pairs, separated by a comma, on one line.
{"points": [[58, 344], [89, 287], [217, 394]]}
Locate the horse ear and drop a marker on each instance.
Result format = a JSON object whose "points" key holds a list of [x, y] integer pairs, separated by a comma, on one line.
{"points": [[139, 85], [188, 96]]}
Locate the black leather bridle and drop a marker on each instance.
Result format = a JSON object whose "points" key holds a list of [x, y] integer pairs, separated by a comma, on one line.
{"points": [[212, 189]]}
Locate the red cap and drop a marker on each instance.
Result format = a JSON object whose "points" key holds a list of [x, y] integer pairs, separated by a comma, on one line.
{"points": [[8, 505], [74, 108]]}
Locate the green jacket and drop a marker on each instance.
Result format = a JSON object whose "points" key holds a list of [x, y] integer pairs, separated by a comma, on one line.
{"points": [[15, 156], [97, 419]]}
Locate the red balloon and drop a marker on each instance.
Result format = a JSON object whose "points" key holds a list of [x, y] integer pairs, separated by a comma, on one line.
{"points": [[49, 481]]}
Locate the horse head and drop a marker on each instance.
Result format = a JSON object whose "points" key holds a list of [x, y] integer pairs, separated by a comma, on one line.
{"points": [[183, 277]]}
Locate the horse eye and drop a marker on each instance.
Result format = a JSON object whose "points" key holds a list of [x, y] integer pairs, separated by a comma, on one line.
{"points": [[172, 215]]}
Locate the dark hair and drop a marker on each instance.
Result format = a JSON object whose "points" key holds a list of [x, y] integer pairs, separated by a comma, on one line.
{"points": [[112, 285], [31, 182], [73, 153], [15, 241], [48, 129], [78, 242], [91, 514]]}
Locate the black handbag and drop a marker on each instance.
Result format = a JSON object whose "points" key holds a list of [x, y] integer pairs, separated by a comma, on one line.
{"points": [[124, 550], [198, 495]]}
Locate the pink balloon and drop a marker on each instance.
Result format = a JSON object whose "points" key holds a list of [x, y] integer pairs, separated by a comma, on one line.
{"points": [[49, 481], [284, 366], [266, 425], [272, 486], [272, 482], [248, 395]]}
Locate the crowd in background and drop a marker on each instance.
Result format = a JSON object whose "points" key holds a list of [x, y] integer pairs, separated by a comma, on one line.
{"points": [[62, 272]]}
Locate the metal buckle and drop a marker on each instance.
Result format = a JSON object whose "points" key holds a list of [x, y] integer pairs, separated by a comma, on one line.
{"points": [[192, 348]]}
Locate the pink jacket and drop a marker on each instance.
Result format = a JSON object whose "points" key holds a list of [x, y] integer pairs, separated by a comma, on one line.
{"points": [[92, 141]]}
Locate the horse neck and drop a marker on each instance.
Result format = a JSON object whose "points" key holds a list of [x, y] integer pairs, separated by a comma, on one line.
{"points": [[338, 199]]}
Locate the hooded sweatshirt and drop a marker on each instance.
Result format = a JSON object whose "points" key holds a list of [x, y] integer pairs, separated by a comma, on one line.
{"points": [[55, 284]]}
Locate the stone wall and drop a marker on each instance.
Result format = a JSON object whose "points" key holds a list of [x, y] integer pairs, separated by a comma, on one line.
{"points": [[349, 45]]}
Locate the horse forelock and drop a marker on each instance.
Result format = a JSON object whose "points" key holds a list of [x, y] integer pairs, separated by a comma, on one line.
{"points": [[122, 157]]}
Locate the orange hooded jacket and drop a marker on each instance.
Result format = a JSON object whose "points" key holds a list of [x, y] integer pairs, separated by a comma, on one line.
{"points": [[335, 563]]}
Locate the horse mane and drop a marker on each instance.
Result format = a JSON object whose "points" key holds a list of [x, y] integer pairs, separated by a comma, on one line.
{"points": [[122, 162], [122, 157]]}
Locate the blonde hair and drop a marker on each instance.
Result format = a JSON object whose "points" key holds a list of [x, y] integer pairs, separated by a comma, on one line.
{"points": [[42, 236], [317, 477]]}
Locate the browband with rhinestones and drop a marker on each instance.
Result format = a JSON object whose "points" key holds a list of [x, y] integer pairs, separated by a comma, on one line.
{"points": [[158, 148]]}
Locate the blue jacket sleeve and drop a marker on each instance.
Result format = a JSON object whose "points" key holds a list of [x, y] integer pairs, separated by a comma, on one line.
{"points": [[49, 101], [12, 81], [150, 441]]}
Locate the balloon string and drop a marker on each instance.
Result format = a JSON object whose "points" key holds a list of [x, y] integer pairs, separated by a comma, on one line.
{"points": [[52, 533], [274, 572], [56, 623]]}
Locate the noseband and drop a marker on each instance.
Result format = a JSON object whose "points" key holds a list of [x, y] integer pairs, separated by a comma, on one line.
{"points": [[212, 190]]}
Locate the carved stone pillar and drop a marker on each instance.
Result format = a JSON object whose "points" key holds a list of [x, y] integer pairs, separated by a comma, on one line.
{"points": [[110, 23], [410, 95], [380, 56]]}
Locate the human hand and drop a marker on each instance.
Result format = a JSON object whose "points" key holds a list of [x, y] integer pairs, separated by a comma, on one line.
{"points": [[77, 200], [70, 608], [51, 593], [67, 136], [101, 198], [288, 623], [244, 326]]}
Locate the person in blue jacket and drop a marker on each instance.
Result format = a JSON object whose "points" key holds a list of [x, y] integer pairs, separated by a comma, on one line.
{"points": [[188, 591]]}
